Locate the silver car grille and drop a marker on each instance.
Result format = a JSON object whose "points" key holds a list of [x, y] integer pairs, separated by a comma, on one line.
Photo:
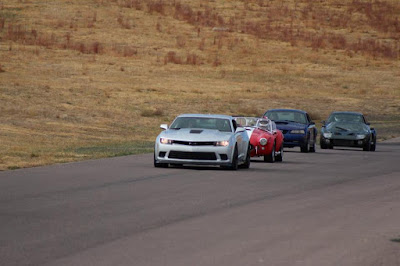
{"points": [[210, 156], [194, 143]]}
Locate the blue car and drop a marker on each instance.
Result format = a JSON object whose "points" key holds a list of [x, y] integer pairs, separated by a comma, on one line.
{"points": [[297, 127]]}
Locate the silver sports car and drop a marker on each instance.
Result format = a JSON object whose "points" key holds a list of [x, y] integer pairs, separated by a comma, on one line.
{"points": [[203, 140]]}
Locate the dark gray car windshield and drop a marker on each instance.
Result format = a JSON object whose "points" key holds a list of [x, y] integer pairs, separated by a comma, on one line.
{"points": [[220, 124], [287, 116], [344, 117]]}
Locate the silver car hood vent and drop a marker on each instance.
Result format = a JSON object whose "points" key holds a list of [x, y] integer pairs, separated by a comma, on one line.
{"points": [[195, 131]]}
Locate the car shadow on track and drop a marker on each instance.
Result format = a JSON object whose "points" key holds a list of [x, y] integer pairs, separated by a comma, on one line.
{"points": [[252, 168], [349, 149], [195, 167], [298, 151], [258, 162], [291, 150], [284, 162]]}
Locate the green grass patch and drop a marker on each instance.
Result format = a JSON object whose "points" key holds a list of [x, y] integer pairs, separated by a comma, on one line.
{"points": [[114, 149], [397, 240]]}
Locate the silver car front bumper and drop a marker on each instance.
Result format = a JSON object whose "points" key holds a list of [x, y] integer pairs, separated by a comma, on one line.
{"points": [[200, 155]]}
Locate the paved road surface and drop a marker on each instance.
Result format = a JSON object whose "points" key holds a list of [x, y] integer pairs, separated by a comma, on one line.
{"points": [[333, 207]]}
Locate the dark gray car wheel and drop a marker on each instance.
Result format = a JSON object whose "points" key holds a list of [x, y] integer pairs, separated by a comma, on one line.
{"points": [[373, 146], [323, 144], [367, 146]]}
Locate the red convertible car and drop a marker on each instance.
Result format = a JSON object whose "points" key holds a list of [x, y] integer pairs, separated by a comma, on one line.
{"points": [[265, 139]]}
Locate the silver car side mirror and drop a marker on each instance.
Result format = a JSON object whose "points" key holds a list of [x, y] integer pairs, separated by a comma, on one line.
{"points": [[164, 126]]}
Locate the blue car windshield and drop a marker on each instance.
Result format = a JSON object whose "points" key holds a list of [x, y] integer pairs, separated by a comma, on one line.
{"points": [[287, 116], [220, 124], [343, 117]]}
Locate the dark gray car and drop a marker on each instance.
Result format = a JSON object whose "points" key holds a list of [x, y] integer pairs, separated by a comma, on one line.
{"points": [[347, 129]]}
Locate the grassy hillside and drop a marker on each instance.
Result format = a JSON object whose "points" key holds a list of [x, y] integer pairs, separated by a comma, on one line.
{"points": [[94, 78]]}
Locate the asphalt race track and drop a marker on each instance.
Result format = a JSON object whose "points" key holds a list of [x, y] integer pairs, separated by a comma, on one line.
{"points": [[332, 207]]}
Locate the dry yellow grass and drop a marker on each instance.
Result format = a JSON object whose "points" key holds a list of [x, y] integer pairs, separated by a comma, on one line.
{"points": [[87, 79]]}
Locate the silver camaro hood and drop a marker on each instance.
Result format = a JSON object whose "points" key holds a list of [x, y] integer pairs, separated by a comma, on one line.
{"points": [[195, 134]]}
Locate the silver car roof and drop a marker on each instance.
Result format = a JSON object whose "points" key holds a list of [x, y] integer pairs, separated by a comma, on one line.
{"points": [[207, 116]]}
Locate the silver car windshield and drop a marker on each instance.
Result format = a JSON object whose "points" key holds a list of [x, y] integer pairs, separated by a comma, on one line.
{"points": [[220, 124]]}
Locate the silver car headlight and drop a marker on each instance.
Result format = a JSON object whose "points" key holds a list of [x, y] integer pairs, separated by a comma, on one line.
{"points": [[263, 141], [223, 143], [297, 131], [166, 141], [327, 135]]}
